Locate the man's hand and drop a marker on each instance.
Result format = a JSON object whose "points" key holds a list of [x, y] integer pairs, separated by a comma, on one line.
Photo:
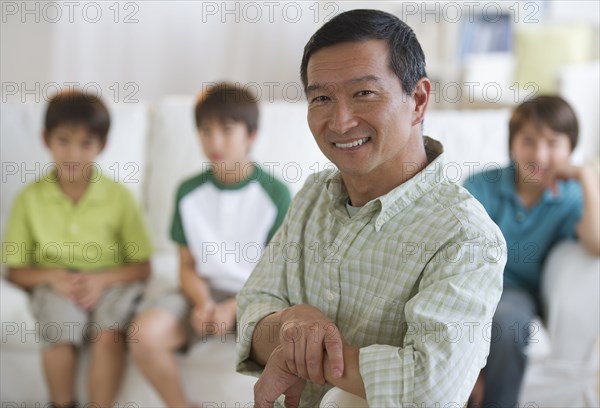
{"points": [[304, 336], [202, 318], [276, 380], [88, 288]]}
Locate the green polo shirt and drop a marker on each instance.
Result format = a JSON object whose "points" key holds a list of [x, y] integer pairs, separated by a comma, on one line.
{"points": [[47, 229]]}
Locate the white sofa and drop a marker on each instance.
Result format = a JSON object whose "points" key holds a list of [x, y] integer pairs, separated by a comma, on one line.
{"points": [[151, 149]]}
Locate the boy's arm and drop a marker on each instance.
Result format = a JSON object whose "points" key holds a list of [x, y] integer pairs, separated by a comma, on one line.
{"points": [[127, 273], [86, 288], [193, 286], [29, 277], [587, 229]]}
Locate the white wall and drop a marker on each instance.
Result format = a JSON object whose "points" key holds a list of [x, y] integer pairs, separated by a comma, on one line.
{"points": [[174, 47]]}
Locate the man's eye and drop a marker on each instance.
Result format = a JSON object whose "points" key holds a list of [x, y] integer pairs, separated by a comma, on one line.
{"points": [[364, 93], [320, 98]]}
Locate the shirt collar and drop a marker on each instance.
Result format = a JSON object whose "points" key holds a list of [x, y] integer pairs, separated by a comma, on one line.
{"points": [[94, 193], [393, 202]]}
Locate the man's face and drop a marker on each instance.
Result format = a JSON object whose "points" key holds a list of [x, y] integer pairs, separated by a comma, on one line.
{"points": [[358, 112], [73, 150]]}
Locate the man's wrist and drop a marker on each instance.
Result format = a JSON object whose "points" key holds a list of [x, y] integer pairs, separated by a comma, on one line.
{"points": [[350, 380]]}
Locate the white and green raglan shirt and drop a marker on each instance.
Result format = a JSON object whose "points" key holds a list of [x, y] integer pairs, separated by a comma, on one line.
{"points": [[227, 226]]}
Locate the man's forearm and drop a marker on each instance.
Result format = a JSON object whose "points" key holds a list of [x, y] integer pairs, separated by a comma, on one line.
{"points": [[265, 338], [351, 381]]}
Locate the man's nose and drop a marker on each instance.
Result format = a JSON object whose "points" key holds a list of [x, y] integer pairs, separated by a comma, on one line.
{"points": [[343, 118]]}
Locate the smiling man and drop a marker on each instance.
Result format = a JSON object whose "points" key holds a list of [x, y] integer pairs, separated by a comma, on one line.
{"points": [[400, 270]]}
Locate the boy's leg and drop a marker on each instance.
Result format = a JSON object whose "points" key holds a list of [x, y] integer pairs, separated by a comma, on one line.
{"points": [[154, 337], [159, 335], [106, 367], [61, 324], [107, 341], [60, 365], [506, 362]]}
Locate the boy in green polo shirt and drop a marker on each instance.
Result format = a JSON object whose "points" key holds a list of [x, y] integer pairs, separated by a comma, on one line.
{"points": [[76, 240]]}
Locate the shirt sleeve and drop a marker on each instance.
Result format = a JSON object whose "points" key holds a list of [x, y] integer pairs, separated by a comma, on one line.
{"points": [[264, 293], [177, 232], [282, 200], [18, 246], [135, 241], [446, 331]]}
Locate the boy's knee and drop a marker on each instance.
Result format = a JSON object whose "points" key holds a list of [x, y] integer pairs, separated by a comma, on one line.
{"points": [[108, 339], [146, 335]]}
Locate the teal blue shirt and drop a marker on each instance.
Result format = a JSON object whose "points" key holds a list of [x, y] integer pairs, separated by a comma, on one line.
{"points": [[530, 233]]}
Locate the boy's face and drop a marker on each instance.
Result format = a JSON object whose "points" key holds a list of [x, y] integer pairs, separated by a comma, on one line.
{"points": [[73, 149], [225, 143], [537, 150]]}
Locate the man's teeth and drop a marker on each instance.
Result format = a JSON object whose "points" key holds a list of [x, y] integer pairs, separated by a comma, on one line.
{"points": [[352, 144]]}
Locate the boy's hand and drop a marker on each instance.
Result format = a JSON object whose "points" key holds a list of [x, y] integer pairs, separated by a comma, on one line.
{"points": [[63, 284], [202, 318], [89, 288], [564, 172]]}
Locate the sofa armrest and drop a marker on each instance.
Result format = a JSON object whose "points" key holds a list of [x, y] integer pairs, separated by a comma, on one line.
{"points": [[571, 301]]}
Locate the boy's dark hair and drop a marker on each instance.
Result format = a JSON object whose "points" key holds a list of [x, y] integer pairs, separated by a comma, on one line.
{"points": [[76, 108], [225, 101], [552, 111], [407, 59]]}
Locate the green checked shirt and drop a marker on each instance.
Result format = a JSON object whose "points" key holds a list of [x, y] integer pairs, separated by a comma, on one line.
{"points": [[413, 279]]}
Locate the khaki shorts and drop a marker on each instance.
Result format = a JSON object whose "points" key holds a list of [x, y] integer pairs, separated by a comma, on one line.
{"points": [[178, 305], [61, 321]]}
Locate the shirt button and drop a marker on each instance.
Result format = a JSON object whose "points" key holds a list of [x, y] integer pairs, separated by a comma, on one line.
{"points": [[520, 217], [330, 296]]}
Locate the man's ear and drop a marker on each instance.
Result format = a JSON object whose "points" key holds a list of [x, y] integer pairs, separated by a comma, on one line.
{"points": [[421, 98]]}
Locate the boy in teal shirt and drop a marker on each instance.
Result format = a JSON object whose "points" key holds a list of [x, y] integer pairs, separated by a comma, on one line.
{"points": [[77, 241], [537, 201], [223, 219]]}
